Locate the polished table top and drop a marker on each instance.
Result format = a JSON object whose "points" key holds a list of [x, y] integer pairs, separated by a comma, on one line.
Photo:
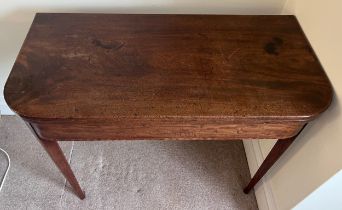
{"points": [[77, 66]]}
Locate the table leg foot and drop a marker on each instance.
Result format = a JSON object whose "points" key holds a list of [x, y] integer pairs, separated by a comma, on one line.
{"points": [[278, 149]]}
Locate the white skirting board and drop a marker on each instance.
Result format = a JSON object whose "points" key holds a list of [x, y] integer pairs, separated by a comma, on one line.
{"points": [[263, 190]]}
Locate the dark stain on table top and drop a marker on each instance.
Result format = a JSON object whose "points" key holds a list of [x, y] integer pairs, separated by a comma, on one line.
{"points": [[75, 66]]}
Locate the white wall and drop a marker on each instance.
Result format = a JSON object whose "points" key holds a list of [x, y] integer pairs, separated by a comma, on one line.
{"points": [[316, 155], [16, 17], [327, 196]]}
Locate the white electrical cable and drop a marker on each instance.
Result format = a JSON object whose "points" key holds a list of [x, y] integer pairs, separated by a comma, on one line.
{"points": [[8, 167]]}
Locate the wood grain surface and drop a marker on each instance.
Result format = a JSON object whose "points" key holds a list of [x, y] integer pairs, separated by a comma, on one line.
{"points": [[104, 66], [163, 129]]}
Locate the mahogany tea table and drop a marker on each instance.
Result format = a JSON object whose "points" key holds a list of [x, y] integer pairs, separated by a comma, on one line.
{"points": [[89, 77]]}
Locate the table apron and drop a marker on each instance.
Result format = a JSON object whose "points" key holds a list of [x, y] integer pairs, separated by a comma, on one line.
{"points": [[206, 129]]}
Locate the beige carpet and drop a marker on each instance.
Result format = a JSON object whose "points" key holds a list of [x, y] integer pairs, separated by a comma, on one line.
{"points": [[124, 174]]}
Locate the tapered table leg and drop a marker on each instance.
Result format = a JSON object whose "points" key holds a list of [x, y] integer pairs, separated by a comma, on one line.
{"points": [[278, 149], [56, 154]]}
